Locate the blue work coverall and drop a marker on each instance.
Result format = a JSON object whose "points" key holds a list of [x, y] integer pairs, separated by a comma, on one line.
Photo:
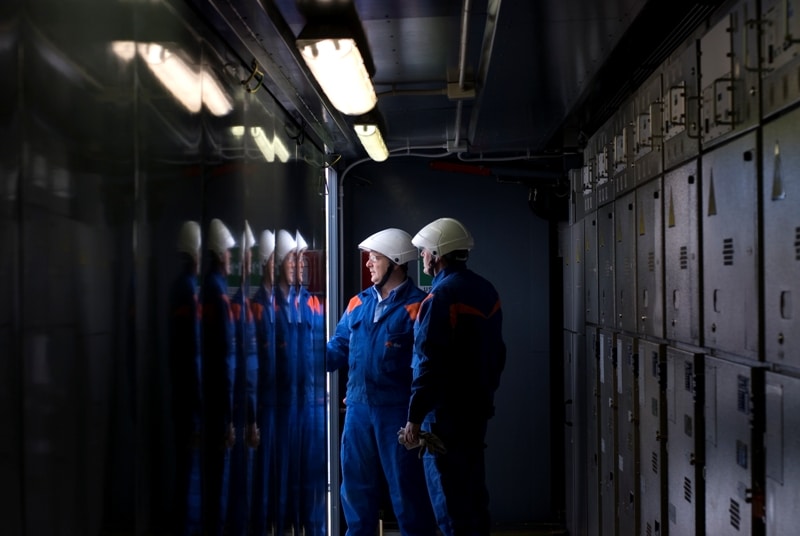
{"points": [[378, 349], [185, 378], [244, 413], [311, 417], [264, 502], [459, 355], [219, 369]]}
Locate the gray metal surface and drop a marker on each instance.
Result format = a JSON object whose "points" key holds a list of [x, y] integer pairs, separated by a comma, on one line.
{"points": [[575, 432], [591, 272], [606, 267], [730, 247], [681, 114], [685, 443], [625, 288], [782, 443], [780, 46], [782, 252], [652, 438], [628, 452], [682, 313], [594, 512], [730, 392], [647, 148], [649, 259], [729, 73], [608, 420]]}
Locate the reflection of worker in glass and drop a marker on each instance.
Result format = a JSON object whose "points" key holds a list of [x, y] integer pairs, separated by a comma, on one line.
{"points": [[263, 308], [375, 337], [185, 374], [310, 341], [244, 396], [287, 485], [219, 366]]}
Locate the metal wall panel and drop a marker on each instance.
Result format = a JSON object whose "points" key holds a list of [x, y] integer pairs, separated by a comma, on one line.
{"points": [[622, 133], [680, 123], [729, 77], [567, 274], [591, 301], [685, 445], [652, 439], [730, 248], [576, 193], [731, 396], [782, 442], [648, 141], [649, 259], [605, 266], [781, 220], [607, 378], [682, 255], [628, 461], [575, 432], [625, 291], [780, 49], [603, 150], [578, 319], [593, 510]]}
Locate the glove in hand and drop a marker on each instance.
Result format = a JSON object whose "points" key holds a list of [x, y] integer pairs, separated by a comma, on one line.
{"points": [[428, 442]]}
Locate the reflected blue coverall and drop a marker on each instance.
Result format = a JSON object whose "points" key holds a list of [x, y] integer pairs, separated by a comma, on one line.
{"points": [[219, 368], [244, 413], [185, 380], [313, 446], [459, 355], [377, 346], [264, 501], [286, 485]]}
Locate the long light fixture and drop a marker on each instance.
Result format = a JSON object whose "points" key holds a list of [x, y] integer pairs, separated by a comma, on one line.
{"points": [[191, 89], [369, 129], [340, 67]]}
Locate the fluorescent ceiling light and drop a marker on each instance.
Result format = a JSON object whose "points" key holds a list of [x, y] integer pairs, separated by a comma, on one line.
{"points": [[339, 68], [263, 143], [372, 140], [191, 89]]}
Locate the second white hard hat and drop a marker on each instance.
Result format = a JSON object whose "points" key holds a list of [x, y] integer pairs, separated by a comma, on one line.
{"points": [[444, 235], [392, 243]]}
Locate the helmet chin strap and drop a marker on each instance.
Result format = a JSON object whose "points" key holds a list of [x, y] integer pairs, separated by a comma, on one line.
{"points": [[431, 265], [385, 277]]}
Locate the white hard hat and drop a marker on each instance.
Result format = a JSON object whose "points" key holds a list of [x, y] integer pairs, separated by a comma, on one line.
{"points": [[393, 243], [189, 238], [442, 236], [266, 245], [284, 244], [220, 238], [248, 240], [300, 242]]}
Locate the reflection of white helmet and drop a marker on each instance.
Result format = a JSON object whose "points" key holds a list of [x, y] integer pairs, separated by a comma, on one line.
{"points": [[393, 243], [442, 236], [301, 243], [189, 238], [266, 245], [248, 240], [284, 244], [220, 238]]}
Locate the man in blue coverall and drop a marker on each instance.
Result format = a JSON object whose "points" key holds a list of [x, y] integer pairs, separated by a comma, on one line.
{"points": [[244, 396], [185, 376], [459, 355], [375, 338], [219, 368]]}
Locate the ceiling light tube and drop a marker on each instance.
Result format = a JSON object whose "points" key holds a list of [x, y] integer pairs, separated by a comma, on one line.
{"points": [[339, 68], [372, 140]]}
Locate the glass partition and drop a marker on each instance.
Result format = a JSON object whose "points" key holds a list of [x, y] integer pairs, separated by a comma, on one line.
{"points": [[162, 275]]}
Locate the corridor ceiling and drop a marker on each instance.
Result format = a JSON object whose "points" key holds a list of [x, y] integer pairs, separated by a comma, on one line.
{"points": [[545, 73]]}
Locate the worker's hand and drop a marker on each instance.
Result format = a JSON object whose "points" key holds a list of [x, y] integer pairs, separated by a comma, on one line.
{"points": [[253, 436], [230, 438], [411, 433]]}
